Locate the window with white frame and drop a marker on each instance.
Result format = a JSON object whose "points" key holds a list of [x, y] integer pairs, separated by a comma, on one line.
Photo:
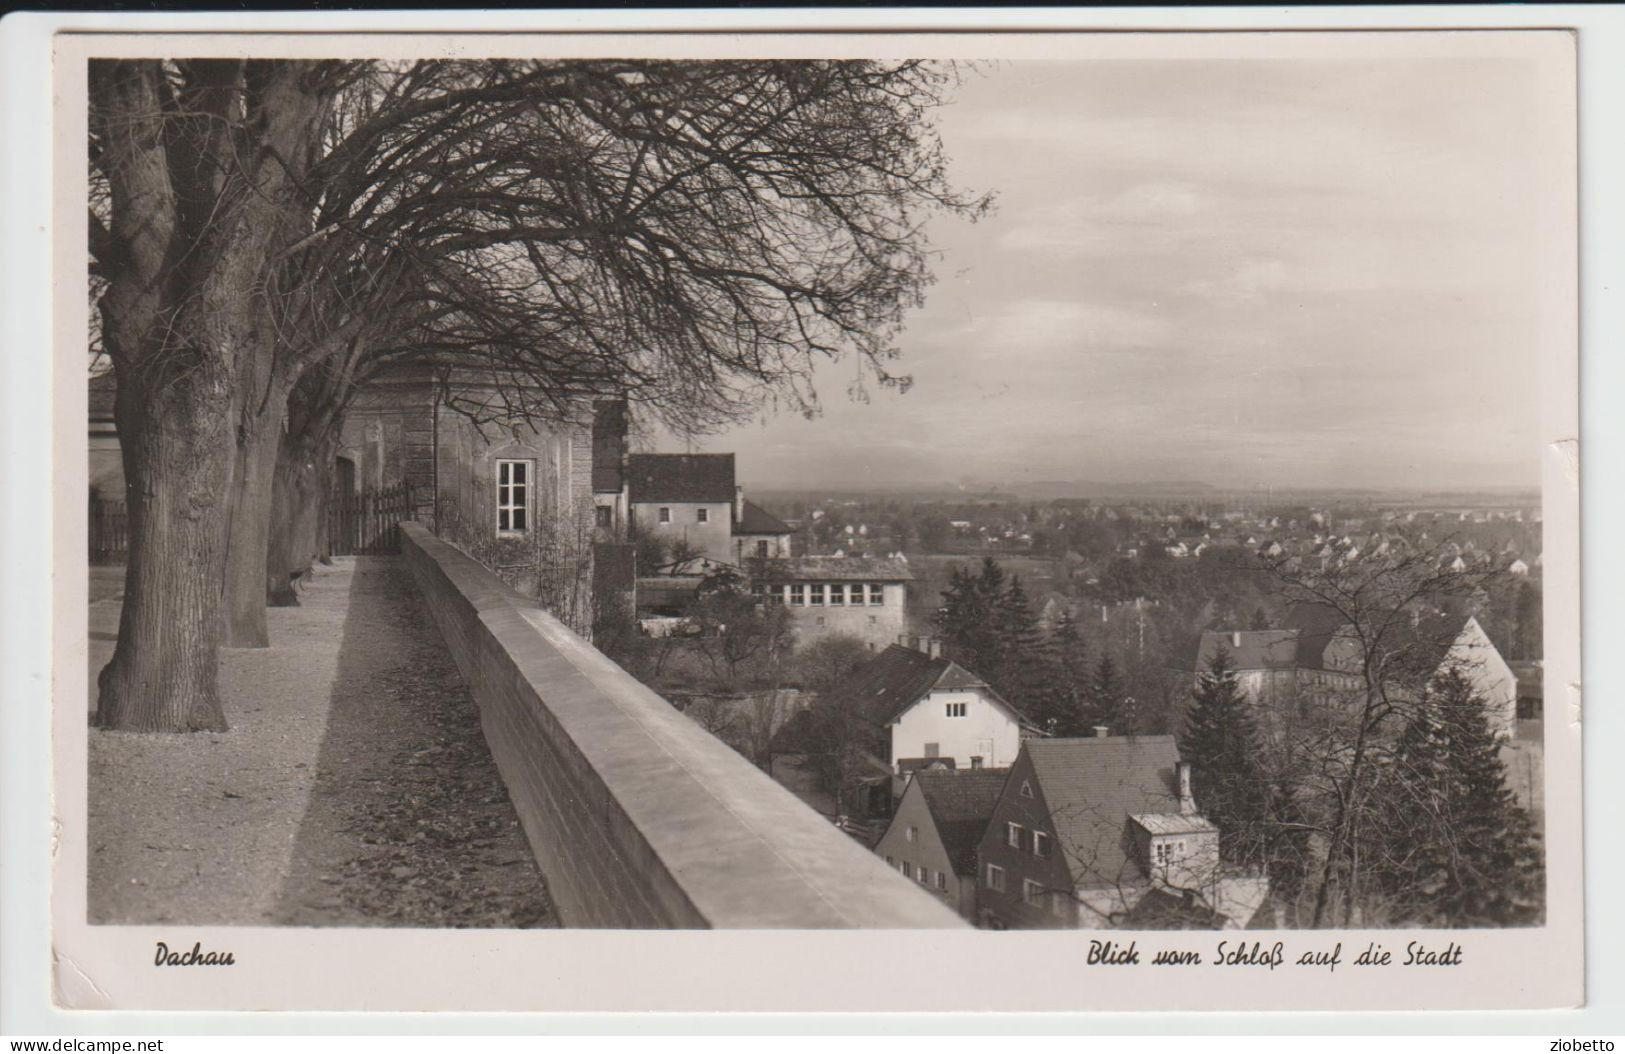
{"points": [[837, 595], [877, 594], [908, 869], [1012, 835], [995, 877], [924, 875], [1040, 844], [912, 833], [513, 497], [956, 709], [702, 515], [815, 594], [665, 514], [942, 880], [798, 595], [1032, 892]]}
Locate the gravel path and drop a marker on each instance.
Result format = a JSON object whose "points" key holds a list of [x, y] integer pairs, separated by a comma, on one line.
{"points": [[354, 787]]}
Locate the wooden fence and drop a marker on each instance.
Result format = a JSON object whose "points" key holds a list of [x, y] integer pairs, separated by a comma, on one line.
{"points": [[109, 532], [368, 523]]}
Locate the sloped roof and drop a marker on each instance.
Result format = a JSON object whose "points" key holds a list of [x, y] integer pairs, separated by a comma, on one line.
{"points": [[1255, 649], [1093, 787], [835, 569], [961, 803], [680, 477], [757, 520], [891, 682]]}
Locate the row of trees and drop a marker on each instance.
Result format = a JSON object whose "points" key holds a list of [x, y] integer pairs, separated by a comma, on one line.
{"points": [[267, 234]]}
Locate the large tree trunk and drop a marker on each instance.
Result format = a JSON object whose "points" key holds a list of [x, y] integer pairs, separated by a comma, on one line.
{"points": [[177, 452], [304, 475], [248, 531]]}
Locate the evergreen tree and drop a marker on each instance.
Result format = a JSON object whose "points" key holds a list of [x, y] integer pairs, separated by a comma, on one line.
{"points": [[1456, 848], [1069, 716], [1106, 698], [1221, 744], [1025, 673], [969, 619]]}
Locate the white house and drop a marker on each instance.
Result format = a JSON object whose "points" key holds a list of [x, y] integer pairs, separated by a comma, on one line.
{"points": [[928, 710]]}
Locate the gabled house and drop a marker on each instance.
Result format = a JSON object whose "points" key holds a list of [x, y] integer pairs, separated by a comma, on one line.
{"points": [[933, 836], [1095, 833], [684, 498], [922, 707]]}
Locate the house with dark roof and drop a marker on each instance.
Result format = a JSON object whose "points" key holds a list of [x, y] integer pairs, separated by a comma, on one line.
{"points": [[1086, 829], [933, 836], [858, 596], [696, 499], [923, 708]]}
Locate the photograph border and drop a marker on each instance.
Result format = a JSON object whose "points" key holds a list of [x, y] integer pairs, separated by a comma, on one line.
{"points": [[84, 981]]}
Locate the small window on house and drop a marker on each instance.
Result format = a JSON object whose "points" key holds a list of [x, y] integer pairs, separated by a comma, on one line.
{"points": [[1026, 789], [873, 621], [665, 514], [956, 709], [702, 515], [837, 595], [820, 620], [606, 515], [815, 594], [976, 761], [924, 875], [1040, 844], [513, 497], [908, 869], [995, 877], [1032, 892], [912, 833], [761, 550], [942, 880], [798, 595], [890, 862], [877, 594], [1012, 835]]}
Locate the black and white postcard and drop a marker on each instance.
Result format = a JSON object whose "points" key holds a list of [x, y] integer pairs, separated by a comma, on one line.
{"points": [[612, 522]]}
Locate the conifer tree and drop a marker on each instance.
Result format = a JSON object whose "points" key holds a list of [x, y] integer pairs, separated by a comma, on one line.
{"points": [[1459, 848], [969, 619], [1221, 744], [1106, 697], [1070, 700], [1025, 674]]}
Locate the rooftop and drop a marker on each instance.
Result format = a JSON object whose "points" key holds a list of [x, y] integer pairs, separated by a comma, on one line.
{"points": [[680, 477], [836, 569], [1093, 787], [757, 520], [961, 804]]}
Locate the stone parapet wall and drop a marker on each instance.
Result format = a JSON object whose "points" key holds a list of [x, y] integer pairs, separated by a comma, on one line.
{"points": [[637, 816]]}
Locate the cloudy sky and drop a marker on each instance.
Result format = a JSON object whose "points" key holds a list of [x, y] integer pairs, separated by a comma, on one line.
{"points": [[1250, 273]]}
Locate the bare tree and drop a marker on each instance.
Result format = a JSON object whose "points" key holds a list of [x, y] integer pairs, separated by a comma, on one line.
{"points": [[696, 234]]}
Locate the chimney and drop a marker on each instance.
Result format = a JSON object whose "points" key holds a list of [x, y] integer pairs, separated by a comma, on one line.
{"points": [[739, 502], [914, 642], [1187, 802], [1235, 638], [1102, 731], [902, 640], [933, 647]]}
